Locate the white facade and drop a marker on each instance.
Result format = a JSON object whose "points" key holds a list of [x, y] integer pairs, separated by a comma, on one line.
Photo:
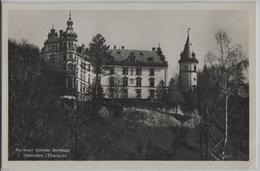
{"points": [[188, 76], [149, 77]]}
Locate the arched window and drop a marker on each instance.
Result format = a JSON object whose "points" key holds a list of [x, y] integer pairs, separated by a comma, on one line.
{"points": [[194, 67]]}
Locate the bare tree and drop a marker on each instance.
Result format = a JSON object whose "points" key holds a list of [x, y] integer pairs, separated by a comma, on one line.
{"points": [[115, 86], [229, 63]]}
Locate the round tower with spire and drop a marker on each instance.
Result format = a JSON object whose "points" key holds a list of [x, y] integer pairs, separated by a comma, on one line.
{"points": [[188, 67]]}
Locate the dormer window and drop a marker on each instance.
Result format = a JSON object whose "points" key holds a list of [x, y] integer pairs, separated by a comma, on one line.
{"points": [[150, 59]]}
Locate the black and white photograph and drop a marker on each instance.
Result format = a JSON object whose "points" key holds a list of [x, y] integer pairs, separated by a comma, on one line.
{"points": [[129, 85]]}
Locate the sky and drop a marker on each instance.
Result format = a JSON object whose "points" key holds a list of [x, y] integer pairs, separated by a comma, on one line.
{"points": [[137, 29]]}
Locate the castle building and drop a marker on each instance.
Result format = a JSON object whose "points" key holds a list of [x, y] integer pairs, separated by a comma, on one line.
{"points": [[131, 73], [188, 67]]}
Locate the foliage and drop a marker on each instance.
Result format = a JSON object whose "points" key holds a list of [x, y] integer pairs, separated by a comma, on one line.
{"points": [[160, 91], [173, 98], [99, 54]]}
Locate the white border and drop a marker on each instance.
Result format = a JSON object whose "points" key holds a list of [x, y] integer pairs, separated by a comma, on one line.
{"points": [[130, 164]]}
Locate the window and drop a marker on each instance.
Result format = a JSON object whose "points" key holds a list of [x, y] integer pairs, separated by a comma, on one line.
{"points": [[76, 85], [83, 65], [151, 81], [52, 47], [152, 93], [70, 67], [125, 81], [132, 57], [138, 82], [70, 45], [89, 78], [111, 81], [84, 88], [132, 71], [77, 72], [131, 81], [194, 67], [151, 71], [52, 58], [124, 93], [70, 56], [88, 67], [125, 71], [81, 87], [111, 70], [138, 71], [138, 93], [150, 59], [111, 93]]}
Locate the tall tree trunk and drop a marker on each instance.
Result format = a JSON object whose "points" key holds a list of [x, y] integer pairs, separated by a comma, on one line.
{"points": [[226, 119], [96, 86]]}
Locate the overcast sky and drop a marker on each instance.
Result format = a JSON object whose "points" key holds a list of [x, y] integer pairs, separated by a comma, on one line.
{"points": [[137, 29]]}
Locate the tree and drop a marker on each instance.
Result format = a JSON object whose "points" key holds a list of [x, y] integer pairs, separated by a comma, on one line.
{"points": [[161, 91], [95, 93], [228, 62], [174, 97], [115, 86], [99, 54]]}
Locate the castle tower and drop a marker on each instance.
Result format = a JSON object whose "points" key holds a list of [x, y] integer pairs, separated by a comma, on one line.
{"points": [[69, 40], [188, 63]]}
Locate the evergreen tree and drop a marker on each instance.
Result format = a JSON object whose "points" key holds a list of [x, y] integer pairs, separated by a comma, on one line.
{"points": [[161, 91], [174, 97], [99, 54]]}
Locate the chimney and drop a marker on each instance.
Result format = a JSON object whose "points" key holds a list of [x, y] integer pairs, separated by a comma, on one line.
{"points": [[122, 47]]}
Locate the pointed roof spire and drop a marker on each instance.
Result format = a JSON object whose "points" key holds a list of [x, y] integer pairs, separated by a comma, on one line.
{"points": [[187, 53], [187, 48], [70, 15], [69, 22]]}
